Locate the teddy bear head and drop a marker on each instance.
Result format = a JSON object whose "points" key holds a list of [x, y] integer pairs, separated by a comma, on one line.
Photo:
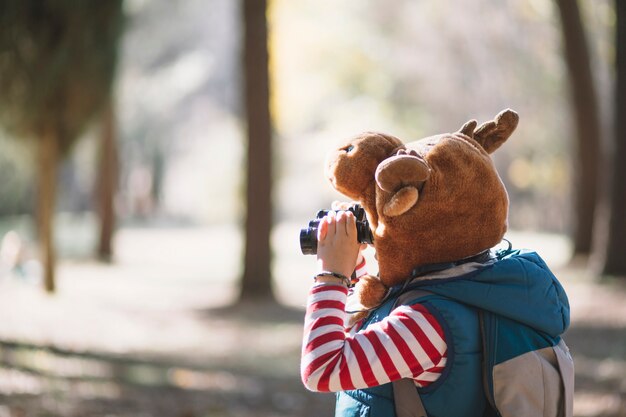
{"points": [[435, 200], [352, 167]]}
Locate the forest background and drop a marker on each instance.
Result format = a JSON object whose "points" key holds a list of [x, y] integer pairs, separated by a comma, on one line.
{"points": [[156, 319]]}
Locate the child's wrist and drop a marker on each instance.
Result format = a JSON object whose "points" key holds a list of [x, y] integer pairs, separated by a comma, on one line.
{"points": [[341, 268], [329, 277]]}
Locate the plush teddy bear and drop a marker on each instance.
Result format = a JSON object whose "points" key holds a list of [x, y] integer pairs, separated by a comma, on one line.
{"points": [[435, 200]]}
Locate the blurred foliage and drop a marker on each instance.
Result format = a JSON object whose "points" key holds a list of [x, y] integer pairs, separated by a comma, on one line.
{"points": [[16, 187], [338, 68], [56, 64], [179, 109], [56, 70], [422, 68]]}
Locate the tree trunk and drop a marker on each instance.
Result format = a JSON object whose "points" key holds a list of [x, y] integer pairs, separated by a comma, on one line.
{"points": [[257, 278], [48, 156], [587, 125], [615, 255], [107, 182]]}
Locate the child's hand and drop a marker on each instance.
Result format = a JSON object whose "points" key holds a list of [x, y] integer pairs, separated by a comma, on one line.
{"points": [[337, 247], [345, 205]]}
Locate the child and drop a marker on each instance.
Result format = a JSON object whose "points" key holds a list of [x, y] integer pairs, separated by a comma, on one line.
{"points": [[337, 359], [470, 329]]}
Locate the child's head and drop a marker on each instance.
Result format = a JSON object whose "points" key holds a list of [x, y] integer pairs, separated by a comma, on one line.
{"points": [[436, 200]]}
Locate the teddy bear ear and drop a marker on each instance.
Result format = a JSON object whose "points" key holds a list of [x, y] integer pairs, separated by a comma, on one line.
{"points": [[468, 128], [401, 175], [490, 135]]}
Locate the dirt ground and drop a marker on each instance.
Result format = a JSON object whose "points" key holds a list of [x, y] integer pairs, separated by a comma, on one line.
{"points": [[156, 334]]}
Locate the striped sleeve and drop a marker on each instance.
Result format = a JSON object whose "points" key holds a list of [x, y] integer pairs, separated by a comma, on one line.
{"points": [[409, 343], [359, 271]]}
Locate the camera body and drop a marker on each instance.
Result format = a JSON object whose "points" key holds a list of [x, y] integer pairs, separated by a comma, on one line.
{"points": [[308, 235]]}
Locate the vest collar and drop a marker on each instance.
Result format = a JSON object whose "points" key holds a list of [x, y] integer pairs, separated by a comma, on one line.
{"points": [[423, 270]]}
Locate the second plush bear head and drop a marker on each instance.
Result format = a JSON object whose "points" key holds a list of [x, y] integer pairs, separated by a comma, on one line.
{"points": [[435, 200]]}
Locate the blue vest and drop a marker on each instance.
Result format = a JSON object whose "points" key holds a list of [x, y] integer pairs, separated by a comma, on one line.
{"points": [[518, 291], [461, 379]]}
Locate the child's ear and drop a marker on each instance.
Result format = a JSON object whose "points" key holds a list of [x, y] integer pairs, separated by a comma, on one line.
{"points": [[490, 135]]}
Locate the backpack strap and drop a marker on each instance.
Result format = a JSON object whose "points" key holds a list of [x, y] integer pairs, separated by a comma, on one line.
{"points": [[491, 405], [410, 295], [566, 365], [407, 401]]}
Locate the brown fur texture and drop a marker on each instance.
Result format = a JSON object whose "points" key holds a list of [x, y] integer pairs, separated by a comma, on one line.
{"points": [[351, 168], [439, 199], [370, 289]]}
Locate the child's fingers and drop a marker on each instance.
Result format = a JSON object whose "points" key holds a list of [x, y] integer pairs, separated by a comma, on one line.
{"points": [[340, 205], [331, 223], [322, 231], [343, 222], [351, 226]]}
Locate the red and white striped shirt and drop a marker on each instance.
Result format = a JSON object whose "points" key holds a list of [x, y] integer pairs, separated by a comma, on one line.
{"points": [[409, 343]]}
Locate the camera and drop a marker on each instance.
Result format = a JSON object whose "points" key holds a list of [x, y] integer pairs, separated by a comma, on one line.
{"points": [[308, 235]]}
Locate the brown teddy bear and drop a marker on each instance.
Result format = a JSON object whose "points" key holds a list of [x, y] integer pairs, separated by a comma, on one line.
{"points": [[435, 200]]}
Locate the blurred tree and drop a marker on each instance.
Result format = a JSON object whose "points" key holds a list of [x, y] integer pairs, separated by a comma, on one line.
{"points": [[16, 188], [57, 60], [614, 259], [256, 280], [587, 125], [107, 181]]}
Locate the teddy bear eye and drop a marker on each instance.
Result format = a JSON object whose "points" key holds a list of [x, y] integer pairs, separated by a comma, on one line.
{"points": [[348, 148]]}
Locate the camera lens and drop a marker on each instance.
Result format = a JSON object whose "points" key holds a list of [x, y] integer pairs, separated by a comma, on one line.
{"points": [[308, 240]]}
